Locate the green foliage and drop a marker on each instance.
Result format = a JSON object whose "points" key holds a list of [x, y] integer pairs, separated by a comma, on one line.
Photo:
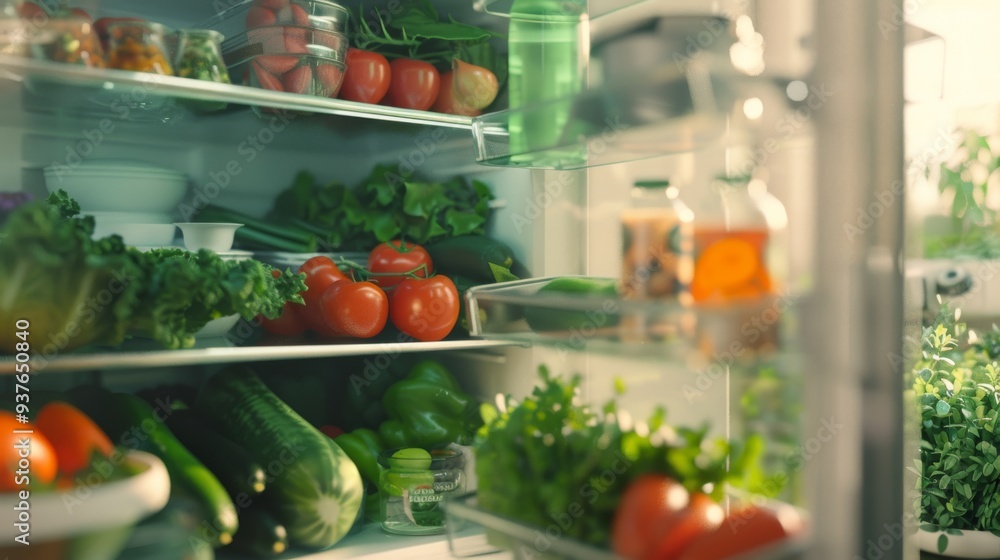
{"points": [[539, 459], [966, 177], [955, 384], [385, 206]]}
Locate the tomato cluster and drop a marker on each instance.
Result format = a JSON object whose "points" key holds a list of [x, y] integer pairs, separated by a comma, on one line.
{"points": [[401, 288], [658, 519]]}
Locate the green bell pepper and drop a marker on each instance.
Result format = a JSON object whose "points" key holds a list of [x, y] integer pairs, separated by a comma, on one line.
{"points": [[363, 447], [362, 406], [428, 409]]}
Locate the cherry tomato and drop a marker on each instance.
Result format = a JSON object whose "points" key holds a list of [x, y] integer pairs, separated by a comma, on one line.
{"points": [[650, 503], [414, 85], [425, 308], [355, 309], [40, 455], [367, 77], [320, 273], [73, 435], [398, 257], [297, 80], [746, 528], [700, 517], [446, 102]]}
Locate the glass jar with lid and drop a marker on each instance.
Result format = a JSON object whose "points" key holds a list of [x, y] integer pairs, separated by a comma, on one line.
{"points": [[139, 46], [656, 242], [199, 56]]}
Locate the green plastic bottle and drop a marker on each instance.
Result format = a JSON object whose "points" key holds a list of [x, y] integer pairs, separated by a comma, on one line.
{"points": [[549, 48]]}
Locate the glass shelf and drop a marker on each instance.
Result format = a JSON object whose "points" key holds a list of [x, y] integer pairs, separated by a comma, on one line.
{"points": [[671, 109], [70, 89], [527, 542], [521, 312], [228, 349]]}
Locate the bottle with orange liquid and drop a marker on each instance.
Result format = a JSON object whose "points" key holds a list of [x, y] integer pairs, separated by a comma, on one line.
{"points": [[734, 280]]}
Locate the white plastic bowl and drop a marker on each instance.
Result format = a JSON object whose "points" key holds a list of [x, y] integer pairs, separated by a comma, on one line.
{"points": [[216, 237], [141, 235], [104, 187], [91, 508]]}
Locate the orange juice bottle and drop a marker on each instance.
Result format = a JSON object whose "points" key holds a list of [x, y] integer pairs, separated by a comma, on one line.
{"points": [[731, 246]]}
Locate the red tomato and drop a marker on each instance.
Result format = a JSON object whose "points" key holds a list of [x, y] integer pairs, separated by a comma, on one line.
{"points": [[276, 64], [650, 503], [414, 85], [425, 308], [296, 40], [320, 273], [332, 432], [474, 86], [40, 455], [73, 435], [299, 15], [355, 309], [398, 257], [32, 11], [701, 516], [297, 80], [446, 102], [367, 77], [745, 528], [287, 324]]}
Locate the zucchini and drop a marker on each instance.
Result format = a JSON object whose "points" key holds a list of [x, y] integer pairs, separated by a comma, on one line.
{"points": [[130, 421], [234, 467], [260, 536], [474, 256], [315, 490]]}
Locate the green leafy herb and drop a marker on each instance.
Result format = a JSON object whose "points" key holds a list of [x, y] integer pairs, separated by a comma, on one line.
{"points": [[383, 207], [956, 385]]}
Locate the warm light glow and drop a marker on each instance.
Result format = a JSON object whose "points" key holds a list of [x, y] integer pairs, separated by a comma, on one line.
{"points": [[753, 108]]}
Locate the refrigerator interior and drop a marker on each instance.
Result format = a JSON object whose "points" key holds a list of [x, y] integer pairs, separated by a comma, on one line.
{"points": [[559, 223]]}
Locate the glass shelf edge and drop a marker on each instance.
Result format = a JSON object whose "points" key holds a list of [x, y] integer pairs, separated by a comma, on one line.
{"points": [[19, 69]]}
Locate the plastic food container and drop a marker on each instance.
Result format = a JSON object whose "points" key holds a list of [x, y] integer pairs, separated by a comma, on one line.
{"points": [[199, 56], [139, 47], [411, 490], [119, 186], [69, 40], [307, 13], [286, 40]]}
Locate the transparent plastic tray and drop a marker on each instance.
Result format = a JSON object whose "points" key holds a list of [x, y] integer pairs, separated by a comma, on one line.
{"points": [[513, 311]]}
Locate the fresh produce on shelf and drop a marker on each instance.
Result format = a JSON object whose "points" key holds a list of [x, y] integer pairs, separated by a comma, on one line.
{"points": [[130, 421], [746, 529], [367, 77], [262, 535], [80, 291], [138, 46], [428, 409], [545, 320], [475, 256], [75, 438], [355, 309], [235, 468], [542, 457], [362, 393], [416, 34], [415, 84], [320, 273], [363, 447], [425, 309], [317, 494], [394, 261], [41, 457]]}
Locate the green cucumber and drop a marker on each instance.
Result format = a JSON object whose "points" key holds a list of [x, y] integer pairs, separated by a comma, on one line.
{"points": [[315, 490], [130, 421], [261, 535], [232, 464], [474, 256], [544, 319]]}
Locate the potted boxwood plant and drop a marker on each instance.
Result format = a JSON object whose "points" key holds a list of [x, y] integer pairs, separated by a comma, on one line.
{"points": [[956, 385]]}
